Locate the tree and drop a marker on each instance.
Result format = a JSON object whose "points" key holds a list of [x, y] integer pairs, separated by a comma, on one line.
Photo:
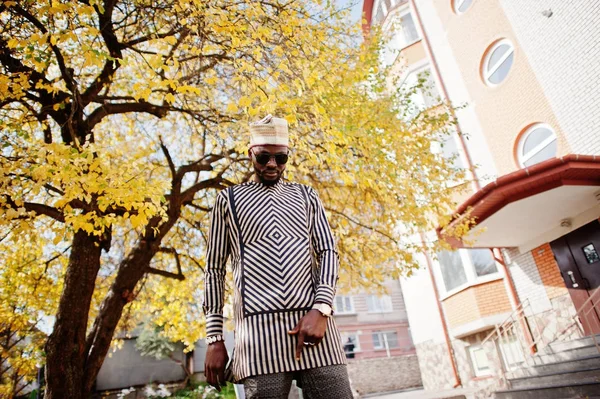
{"points": [[121, 119]]}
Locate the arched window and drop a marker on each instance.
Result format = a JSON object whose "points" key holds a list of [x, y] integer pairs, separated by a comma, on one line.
{"points": [[536, 144], [460, 6], [497, 62]]}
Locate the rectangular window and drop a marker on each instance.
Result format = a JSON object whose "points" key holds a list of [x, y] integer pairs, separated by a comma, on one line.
{"points": [[343, 304], [483, 261], [409, 29], [512, 353], [383, 338], [479, 361], [351, 343], [379, 304], [452, 268]]}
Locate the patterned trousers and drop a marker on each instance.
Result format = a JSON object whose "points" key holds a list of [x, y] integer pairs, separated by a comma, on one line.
{"points": [[329, 382]]}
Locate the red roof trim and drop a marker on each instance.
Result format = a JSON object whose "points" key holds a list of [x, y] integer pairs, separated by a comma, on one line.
{"points": [[570, 170]]}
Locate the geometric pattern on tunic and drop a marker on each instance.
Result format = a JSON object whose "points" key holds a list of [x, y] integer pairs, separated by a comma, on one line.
{"points": [[277, 265]]}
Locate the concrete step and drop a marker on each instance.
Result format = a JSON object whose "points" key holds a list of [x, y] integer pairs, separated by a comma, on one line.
{"points": [[569, 354], [558, 367], [581, 375], [567, 390], [561, 346]]}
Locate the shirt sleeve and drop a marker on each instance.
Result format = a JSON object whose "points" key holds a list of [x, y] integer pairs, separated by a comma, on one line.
{"points": [[215, 269], [325, 251]]}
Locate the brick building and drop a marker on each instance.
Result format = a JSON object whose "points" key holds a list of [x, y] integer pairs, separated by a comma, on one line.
{"points": [[377, 325], [527, 73]]}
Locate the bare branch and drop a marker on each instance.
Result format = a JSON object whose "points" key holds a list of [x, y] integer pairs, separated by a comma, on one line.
{"points": [[168, 156], [121, 108], [358, 223], [164, 273], [179, 275]]}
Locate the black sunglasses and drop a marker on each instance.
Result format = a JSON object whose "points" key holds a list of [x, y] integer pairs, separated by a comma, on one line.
{"points": [[264, 157]]}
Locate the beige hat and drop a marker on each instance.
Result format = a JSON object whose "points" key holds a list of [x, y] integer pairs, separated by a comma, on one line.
{"points": [[269, 131]]}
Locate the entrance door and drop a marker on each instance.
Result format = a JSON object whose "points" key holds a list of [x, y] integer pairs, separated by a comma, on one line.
{"points": [[578, 257]]}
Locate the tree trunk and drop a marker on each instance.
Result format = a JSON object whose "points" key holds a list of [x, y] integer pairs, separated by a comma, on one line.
{"points": [[65, 349], [130, 271]]}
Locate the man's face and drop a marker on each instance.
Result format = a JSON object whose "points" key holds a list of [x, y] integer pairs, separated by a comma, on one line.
{"points": [[271, 172]]}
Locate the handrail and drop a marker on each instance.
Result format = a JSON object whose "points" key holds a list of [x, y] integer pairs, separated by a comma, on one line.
{"points": [[519, 309], [507, 331], [582, 311]]}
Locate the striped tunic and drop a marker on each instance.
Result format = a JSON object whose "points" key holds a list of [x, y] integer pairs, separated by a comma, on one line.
{"points": [[284, 260]]}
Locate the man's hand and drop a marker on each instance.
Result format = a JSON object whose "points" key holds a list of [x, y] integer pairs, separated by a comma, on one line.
{"points": [[310, 329], [214, 365]]}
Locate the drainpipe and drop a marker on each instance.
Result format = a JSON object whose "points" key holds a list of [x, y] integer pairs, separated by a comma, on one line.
{"points": [[457, 381], [512, 292], [436, 68]]}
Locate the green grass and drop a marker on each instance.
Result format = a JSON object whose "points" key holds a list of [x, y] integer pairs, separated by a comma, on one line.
{"points": [[203, 391]]}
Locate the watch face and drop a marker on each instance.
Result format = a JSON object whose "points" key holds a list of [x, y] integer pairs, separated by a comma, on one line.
{"points": [[325, 309]]}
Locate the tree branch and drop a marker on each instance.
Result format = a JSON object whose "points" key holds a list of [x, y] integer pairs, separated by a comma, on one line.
{"points": [[179, 275], [122, 108], [40, 209], [168, 156], [64, 71], [362, 224]]}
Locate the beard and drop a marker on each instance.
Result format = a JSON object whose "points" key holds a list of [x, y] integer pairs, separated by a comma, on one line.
{"points": [[270, 181]]}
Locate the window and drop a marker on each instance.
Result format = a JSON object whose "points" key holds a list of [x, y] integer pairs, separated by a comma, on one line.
{"points": [[450, 151], [343, 304], [461, 6], [385, 339], [479, 361], [483, 262], [453, 271], [512, 353], [466, 266], [497, 62], [379, 304], [403, 33], [408, 29], [351, 343], [422, 91], [537, 144]]}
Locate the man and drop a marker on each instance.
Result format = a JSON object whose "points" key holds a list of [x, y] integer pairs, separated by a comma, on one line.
{"points": [[349, 348], [271, 230]]}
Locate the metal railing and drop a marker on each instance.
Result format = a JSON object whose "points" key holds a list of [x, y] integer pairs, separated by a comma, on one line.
{"points": [[513, 340], [516, 341], [583, 319]]}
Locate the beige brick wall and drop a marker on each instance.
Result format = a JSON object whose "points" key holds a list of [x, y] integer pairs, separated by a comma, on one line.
{"points": [[384, 374], [506, 110], [476, 302]]}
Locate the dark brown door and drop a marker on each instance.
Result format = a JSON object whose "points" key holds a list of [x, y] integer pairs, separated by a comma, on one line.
{"points": [[578, 257]]}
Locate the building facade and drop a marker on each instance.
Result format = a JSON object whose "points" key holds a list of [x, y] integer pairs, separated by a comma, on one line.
{"points": [[525, 77], [376, 325]]}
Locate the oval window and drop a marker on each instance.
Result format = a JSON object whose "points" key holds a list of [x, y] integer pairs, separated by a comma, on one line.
{"points": [[497, 62], [461, 6], [537, 144]]}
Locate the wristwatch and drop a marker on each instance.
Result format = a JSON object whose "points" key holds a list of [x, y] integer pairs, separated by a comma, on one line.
{"points": [[214, 338], [324, 308]]}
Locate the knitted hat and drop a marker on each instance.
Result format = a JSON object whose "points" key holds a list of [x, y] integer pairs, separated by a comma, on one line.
{"points": [[269, 131]]}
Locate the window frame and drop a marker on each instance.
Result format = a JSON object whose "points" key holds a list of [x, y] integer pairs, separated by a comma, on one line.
{"points": [[382, 341], [355, 335], [477, 371], [487, 55], [456, 4], [336, 312], [521, 158], [470, 272], [379, 297]]}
